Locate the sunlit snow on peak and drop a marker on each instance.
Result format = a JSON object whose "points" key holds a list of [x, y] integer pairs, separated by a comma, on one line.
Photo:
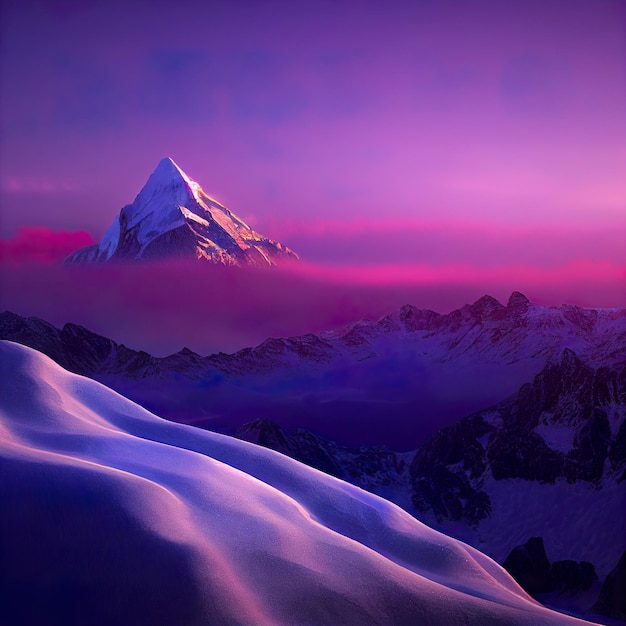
{"points": [[172, 216]]}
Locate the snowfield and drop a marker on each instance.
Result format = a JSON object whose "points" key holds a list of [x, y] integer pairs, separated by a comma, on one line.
{"points": [[111, 515]]}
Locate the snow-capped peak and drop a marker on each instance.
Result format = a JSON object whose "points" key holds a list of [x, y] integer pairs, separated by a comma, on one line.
{"points": [[169, 179], [172, 217], [168, 174]]}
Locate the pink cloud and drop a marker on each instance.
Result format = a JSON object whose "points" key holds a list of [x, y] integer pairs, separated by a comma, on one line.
{"points": [[44, 186], [440, 242], [161, 308], [394, 223], [39, 244], [425, 274]]}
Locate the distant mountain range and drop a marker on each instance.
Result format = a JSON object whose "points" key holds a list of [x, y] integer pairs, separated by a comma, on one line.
{"points": [[395, 381], [173, 218]]}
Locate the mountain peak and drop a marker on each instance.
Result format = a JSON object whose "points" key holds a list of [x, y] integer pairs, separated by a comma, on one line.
{"points": [[168, 164], [518, 302], [168, 176], [168, 168], [484, 305], [172, 217]]}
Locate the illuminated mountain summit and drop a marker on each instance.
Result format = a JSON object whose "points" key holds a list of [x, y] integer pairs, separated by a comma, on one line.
{"points": [[172, 217]]}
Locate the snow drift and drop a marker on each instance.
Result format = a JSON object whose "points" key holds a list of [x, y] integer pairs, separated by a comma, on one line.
{"points": [[112, 515]]}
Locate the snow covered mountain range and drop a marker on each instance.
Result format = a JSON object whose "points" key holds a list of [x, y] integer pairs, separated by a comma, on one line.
{"points": [[112, 515], [173, 218], [395, 381]]}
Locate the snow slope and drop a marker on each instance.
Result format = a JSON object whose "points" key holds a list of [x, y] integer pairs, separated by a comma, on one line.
{"points": [[172, 217], [112, 515]]}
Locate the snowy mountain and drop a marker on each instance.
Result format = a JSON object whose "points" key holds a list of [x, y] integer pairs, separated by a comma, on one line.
{"points": [[172, 217], [112, 515], [396, 381]]}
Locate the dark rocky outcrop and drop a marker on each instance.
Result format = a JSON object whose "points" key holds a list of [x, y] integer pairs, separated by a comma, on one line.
{"points": [[563, 388], [572, 576], [449, 495], [567, 395], [523, 454], [612, 599], [591, 443], [530, 567], [368, 467], [455, 444], [442, 470], [77, 349]]}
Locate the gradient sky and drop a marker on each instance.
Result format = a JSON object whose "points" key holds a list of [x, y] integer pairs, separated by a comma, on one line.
{"points": [[438, 134]]}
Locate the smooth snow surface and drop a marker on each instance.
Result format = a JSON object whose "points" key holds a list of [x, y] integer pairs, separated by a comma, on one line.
{"points": [[112, 515]]}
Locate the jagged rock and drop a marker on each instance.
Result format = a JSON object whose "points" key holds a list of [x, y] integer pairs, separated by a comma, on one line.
{"points": [[455, 444], [530, 567], [488, 307], [315, 452], [449, 495], [447, 491], [266, 433], [572, 576], [612, 599], [591, 443], [518, 303], [563, 389], [520, 454], [414, 319]]}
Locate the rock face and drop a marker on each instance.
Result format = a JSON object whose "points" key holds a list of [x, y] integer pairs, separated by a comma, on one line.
{"points": [[567, 398], [375, 468], [612, 599], [444, 471], [173, 218], [529, 565]]}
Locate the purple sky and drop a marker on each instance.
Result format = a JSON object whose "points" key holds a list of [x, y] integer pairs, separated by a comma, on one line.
{"points": [[512, 112], [440, 134]]}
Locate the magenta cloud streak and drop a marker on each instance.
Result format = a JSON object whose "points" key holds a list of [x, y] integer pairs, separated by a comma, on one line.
{"points": [[161, 308], [40, 244]]}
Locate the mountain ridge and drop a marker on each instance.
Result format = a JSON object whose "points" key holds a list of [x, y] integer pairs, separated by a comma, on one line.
{"points": [[382, 376]]}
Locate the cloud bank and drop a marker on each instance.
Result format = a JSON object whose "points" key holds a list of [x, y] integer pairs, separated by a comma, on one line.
{"points": [[161, 308], [40, 244]]}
